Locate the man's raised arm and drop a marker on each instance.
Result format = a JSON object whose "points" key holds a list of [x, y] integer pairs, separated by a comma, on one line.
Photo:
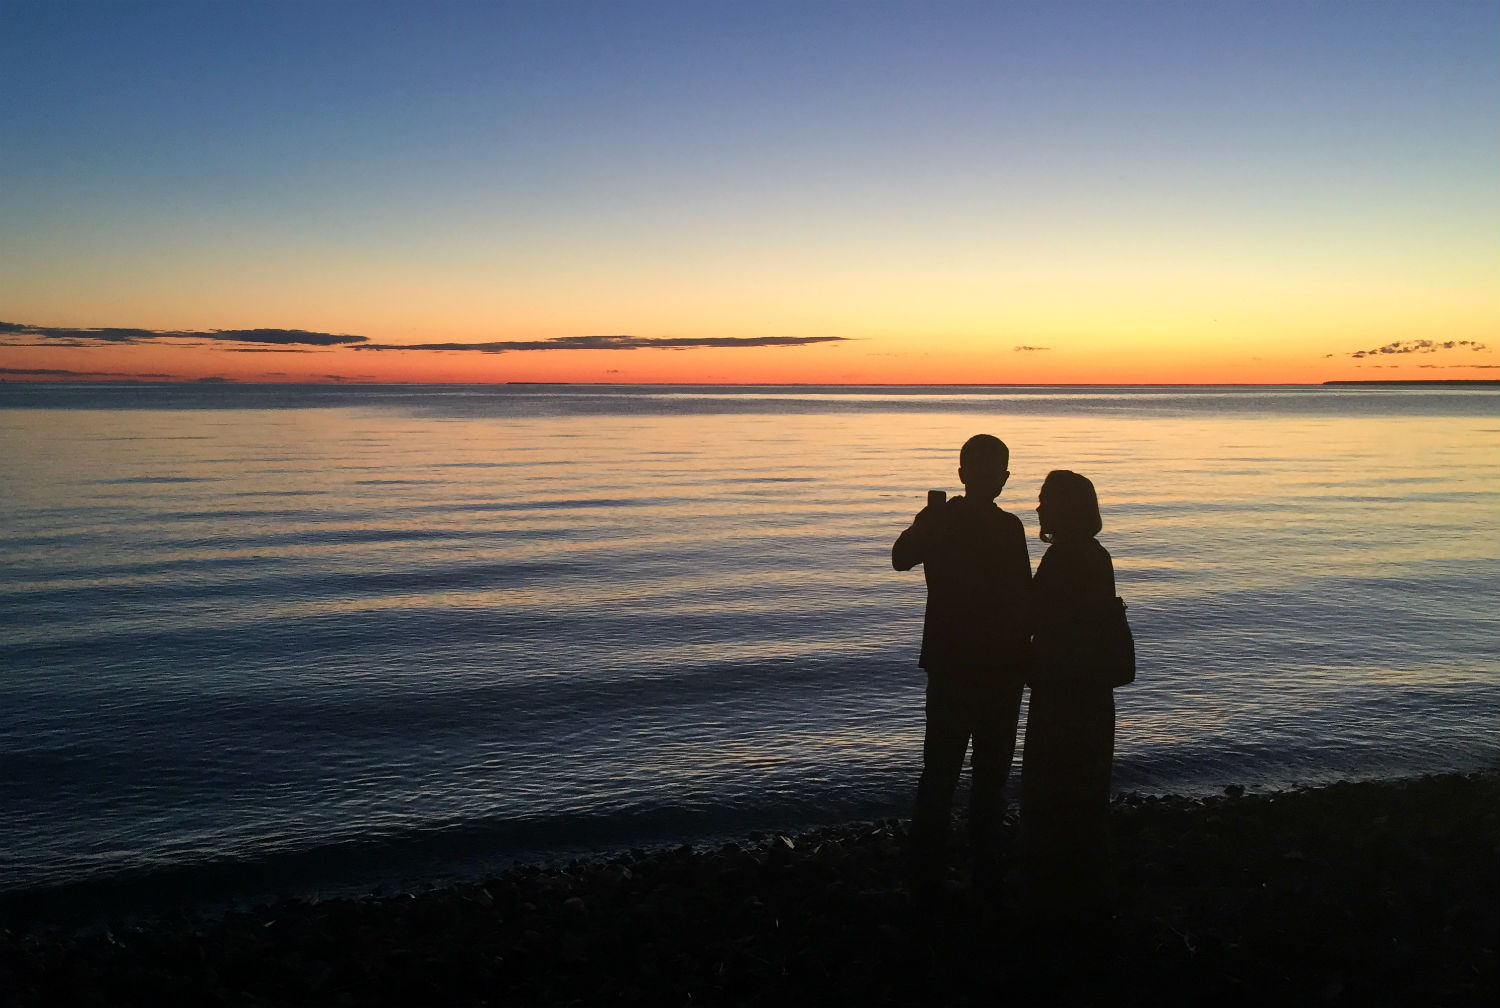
{"points": [[911, 546]]}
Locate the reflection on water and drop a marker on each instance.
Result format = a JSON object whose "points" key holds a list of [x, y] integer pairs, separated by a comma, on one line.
{"points": [[332, 613]]}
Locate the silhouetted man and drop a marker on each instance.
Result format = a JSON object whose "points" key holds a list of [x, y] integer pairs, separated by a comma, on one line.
{"points": [[975, 642]]}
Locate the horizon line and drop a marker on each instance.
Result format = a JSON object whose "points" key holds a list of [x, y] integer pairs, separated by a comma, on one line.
{"points": [[221, 381]]}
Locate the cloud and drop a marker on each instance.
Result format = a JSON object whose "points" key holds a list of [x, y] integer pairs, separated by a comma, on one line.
{"points": [[285, 337], [50, 343], [106, 335], [1021, 349], [613, 343], [115, 335], [63, 373], [289, 340], [1421, 346], [37, 371]]}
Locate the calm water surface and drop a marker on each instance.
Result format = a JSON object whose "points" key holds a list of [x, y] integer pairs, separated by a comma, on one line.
{"points": [[327, 634]]}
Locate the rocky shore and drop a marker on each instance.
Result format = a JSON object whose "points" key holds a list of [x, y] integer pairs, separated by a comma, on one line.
{"points": [[1382, 892]]}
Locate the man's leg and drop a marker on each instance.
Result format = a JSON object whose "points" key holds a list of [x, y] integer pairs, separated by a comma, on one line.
{"points": [[946, 738], [997, 708]]}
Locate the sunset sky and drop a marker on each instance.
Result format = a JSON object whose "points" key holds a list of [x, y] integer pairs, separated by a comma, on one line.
{"points": [[750, 192]]}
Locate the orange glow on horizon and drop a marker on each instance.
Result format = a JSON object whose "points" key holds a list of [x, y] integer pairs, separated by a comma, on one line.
{"points": [[848, 363]]}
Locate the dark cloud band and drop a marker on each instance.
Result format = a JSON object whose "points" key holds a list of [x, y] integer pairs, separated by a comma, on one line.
{"points": [[108, 335], [613, 343], [292, 338]]}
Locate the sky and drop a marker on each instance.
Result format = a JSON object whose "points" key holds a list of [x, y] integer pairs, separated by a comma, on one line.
{"points": [[1054, 192]]}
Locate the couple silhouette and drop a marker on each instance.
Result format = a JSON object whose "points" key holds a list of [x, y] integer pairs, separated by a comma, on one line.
{"points": [[992, 630]]}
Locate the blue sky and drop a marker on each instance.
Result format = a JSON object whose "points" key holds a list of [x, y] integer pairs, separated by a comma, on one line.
{"points": [[486, 168]]}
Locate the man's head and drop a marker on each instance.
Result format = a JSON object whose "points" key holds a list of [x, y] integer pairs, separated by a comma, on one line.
{"points": [[982, 466]]}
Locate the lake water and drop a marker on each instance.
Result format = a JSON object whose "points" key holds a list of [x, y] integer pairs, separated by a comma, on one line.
{"points": [[277, 637]]}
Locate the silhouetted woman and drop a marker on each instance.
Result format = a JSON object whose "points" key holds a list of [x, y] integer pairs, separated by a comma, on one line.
{"points": [[1070, 725]]}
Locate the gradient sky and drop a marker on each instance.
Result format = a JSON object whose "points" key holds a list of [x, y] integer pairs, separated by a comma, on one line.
{"points": [[839, 192]]}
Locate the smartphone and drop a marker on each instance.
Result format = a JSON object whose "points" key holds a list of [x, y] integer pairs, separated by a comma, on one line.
{"points": [[937, 498]]}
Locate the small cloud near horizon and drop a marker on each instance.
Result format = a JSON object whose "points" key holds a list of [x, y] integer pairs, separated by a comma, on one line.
{"points": [[1021, 349], [1420, 346], [39, 371], [65, 373]]}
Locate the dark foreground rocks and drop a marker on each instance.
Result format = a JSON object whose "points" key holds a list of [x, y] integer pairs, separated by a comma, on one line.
{"points": [[1353, 894]]}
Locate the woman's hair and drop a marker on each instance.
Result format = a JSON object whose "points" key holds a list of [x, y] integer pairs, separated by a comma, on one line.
{"points": [[1072, 506]]}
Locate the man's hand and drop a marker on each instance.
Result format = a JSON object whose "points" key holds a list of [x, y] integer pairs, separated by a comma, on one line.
{"points": [[928, 517]]}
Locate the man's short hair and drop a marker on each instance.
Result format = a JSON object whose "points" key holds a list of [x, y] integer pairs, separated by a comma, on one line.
{"points": [[983, 446]]}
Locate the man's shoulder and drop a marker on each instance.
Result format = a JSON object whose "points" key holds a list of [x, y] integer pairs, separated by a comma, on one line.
{"points": [[962, 503], [986, 518], [1008, 520]]}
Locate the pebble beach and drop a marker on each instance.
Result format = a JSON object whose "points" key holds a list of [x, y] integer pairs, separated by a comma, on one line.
{"points": [[1371, 892]]}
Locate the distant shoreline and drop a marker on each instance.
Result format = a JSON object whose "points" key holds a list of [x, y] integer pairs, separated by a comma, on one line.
{"points": [[1417, 381]]}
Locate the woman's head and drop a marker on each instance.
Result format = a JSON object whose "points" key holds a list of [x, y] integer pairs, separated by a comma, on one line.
{"points": [[1068, 507]]}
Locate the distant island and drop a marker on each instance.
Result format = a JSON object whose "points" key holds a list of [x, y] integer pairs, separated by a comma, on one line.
{"points": [[1418, 381]]}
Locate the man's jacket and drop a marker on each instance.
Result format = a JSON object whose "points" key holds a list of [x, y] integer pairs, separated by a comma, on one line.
{"points": [[978, 585]]}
